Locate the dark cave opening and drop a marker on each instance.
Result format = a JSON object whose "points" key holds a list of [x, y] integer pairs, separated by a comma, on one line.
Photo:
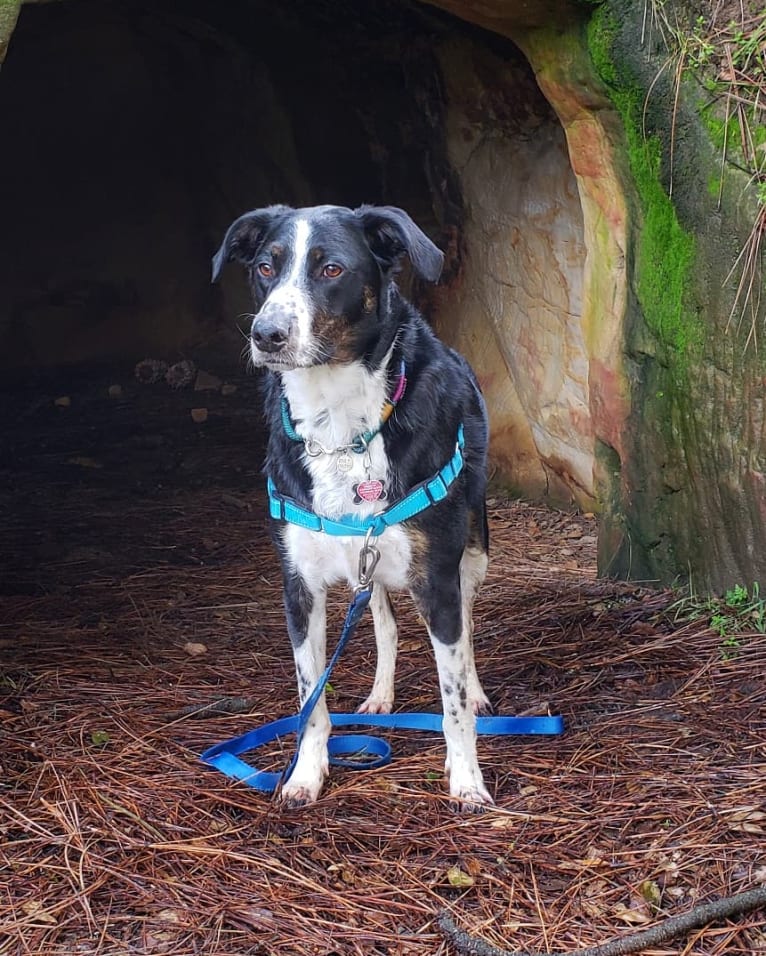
{"points": [[136, 132]]}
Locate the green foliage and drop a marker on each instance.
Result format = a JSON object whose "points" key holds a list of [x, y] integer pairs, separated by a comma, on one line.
{"points": [[729, 62], [700, 48], [738, 612]]}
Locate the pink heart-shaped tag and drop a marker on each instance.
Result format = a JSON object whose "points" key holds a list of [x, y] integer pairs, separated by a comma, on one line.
{"points": [[369, 490]]}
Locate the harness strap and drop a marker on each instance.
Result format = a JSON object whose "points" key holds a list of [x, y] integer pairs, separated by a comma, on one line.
{"points": [[422, 496]]}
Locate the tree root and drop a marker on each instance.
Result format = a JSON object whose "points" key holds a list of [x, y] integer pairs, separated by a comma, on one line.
{"points": [[668, 929]]}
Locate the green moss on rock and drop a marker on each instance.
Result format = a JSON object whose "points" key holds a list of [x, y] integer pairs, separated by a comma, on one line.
{"points": [[666, 251], [9, 12]]}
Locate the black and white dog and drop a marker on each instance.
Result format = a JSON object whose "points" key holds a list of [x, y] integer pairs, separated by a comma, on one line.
{"points": [[364, 405]]}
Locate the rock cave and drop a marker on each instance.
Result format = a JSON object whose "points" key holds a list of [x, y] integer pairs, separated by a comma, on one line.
{"points": [[135, 132], [137, 175]]}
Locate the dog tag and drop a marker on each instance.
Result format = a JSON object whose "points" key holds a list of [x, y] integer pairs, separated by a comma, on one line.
{"points": [[344, 463], [369, 490]]}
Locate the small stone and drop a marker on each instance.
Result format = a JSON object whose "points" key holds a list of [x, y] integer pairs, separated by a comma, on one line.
{"points": [[205, 382], [228, 389], [182, 374], [149, 371], [195, 649], [199, 415], [115, 391], [63, 401]]}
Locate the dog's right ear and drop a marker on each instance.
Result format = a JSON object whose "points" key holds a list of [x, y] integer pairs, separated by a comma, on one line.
{"points": [[244, 236]]}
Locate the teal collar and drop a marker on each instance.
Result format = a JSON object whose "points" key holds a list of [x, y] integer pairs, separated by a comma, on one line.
{"points": [[360, 442], [422, 496]]}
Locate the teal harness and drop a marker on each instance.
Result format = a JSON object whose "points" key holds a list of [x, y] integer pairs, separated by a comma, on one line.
{"points": [[422, 496]]}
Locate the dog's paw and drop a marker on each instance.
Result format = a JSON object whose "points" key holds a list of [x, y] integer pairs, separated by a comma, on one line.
{"points": [[295, 796], [376, 704], [481, 706], [473, 800]]}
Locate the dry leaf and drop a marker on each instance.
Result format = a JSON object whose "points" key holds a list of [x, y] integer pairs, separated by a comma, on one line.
{"points": [[592, 903], [746, 820], [457, 878], [585, 862], [627, 915], [345, 872], [169, 916], [36, 910]]}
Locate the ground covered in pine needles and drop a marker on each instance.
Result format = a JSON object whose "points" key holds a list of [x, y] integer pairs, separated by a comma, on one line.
{"points": [[138, 587]]}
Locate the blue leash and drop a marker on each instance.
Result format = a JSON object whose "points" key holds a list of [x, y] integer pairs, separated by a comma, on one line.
{"points": [[355, 751]]}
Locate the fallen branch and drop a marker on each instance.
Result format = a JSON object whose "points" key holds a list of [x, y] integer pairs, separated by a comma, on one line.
{"points": [[225, 705], [670, 928]]}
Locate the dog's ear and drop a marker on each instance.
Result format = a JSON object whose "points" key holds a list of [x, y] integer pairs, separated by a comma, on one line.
{"points": [[391, 233], [244, 236]]}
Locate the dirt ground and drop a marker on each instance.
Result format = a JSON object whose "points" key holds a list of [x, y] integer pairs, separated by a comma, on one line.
{"points": [[137, 582]]}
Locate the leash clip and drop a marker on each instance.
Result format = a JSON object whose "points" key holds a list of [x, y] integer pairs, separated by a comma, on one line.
{"points": [[369, 556], [314, 449]]}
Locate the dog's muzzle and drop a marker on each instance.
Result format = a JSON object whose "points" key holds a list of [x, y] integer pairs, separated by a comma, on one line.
{"points": [[270, 335]]}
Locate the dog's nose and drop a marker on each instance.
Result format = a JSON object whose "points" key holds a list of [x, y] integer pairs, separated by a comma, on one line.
{"points": [[269, 336]]}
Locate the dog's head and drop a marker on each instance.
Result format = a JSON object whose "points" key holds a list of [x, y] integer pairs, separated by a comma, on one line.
{"points": [[318, 277]]}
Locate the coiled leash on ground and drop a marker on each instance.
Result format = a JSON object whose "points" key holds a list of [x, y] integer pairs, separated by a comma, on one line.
{"points": [[355, 751]]}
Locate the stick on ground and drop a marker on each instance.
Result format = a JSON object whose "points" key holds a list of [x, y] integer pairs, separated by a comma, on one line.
{"points": [[670, 928]]}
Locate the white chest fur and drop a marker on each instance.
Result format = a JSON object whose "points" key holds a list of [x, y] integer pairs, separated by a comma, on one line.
{"points": [[331, 407]]}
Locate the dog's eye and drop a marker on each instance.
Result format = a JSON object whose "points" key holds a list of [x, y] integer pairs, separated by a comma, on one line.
{"points": [[265, 269], [331, 271]]}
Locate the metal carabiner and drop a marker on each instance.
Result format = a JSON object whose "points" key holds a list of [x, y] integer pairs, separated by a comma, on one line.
{"points": [[313, 448], [369, 556]]}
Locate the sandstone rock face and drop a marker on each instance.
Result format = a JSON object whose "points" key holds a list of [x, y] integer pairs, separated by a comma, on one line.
{"points": [[517, 311], [675, 389]]}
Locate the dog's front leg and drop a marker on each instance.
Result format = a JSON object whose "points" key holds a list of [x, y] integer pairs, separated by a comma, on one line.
{"points": [[306, 623], [451, 640], [381, 699]]}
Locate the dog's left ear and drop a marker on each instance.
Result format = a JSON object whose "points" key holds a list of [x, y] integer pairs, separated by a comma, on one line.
{"points": [[391, 233], [244, 236]]}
